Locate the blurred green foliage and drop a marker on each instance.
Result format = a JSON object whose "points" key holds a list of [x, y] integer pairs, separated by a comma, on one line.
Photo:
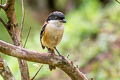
{"points": [[90, 30]]}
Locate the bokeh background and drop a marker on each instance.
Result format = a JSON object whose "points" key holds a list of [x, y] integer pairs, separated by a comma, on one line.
{"points": [[91, 37]]}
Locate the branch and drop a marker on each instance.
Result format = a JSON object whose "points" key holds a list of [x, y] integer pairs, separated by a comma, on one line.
{"points": [[45, 58], [27, 37], [15, 34], [23, 15], [5, 71]]}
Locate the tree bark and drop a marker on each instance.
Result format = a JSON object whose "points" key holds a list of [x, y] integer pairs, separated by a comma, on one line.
{"points": [[12, 28], [5, 70], [45, 58]]}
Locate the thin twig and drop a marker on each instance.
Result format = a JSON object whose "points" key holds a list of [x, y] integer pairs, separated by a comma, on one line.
{"points": [[67, 55], [1, 4], [77, 66], [1, 20], [37, 72], [23, 15], [117, 1], [1, 1], [27, 37]]}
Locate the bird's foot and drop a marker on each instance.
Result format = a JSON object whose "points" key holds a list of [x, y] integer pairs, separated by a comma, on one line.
{"points": [[61, 56]]}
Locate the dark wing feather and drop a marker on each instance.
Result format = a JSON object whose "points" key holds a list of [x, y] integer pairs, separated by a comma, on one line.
{"points": [[41, 35]]}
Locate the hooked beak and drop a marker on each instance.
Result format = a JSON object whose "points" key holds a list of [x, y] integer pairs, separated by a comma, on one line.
{"points": [[64, 21]]}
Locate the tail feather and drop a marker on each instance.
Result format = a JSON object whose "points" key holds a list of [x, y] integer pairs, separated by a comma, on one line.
{"points": [[43, 47]]}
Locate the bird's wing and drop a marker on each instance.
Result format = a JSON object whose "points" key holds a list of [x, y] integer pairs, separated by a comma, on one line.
{"points": [[41, 34]]}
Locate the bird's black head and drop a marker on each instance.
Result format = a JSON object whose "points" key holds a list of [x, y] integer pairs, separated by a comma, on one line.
{"points": [[56, 16]]}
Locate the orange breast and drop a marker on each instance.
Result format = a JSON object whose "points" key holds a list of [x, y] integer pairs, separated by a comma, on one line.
{"points": [[52, 37]]}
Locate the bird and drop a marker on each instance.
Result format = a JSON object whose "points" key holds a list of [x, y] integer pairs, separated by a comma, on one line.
{"points": [[52, 33]]}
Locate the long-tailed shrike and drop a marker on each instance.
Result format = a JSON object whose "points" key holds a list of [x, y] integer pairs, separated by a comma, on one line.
{"points": [[52, 31]]}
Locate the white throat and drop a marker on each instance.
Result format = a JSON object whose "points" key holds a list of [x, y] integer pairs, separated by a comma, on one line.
{"points": [[56, 23]]}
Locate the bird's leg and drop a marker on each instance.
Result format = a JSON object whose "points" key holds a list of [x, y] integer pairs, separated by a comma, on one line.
{"points": [[51, 67], [58, 52], [51, 51]]}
